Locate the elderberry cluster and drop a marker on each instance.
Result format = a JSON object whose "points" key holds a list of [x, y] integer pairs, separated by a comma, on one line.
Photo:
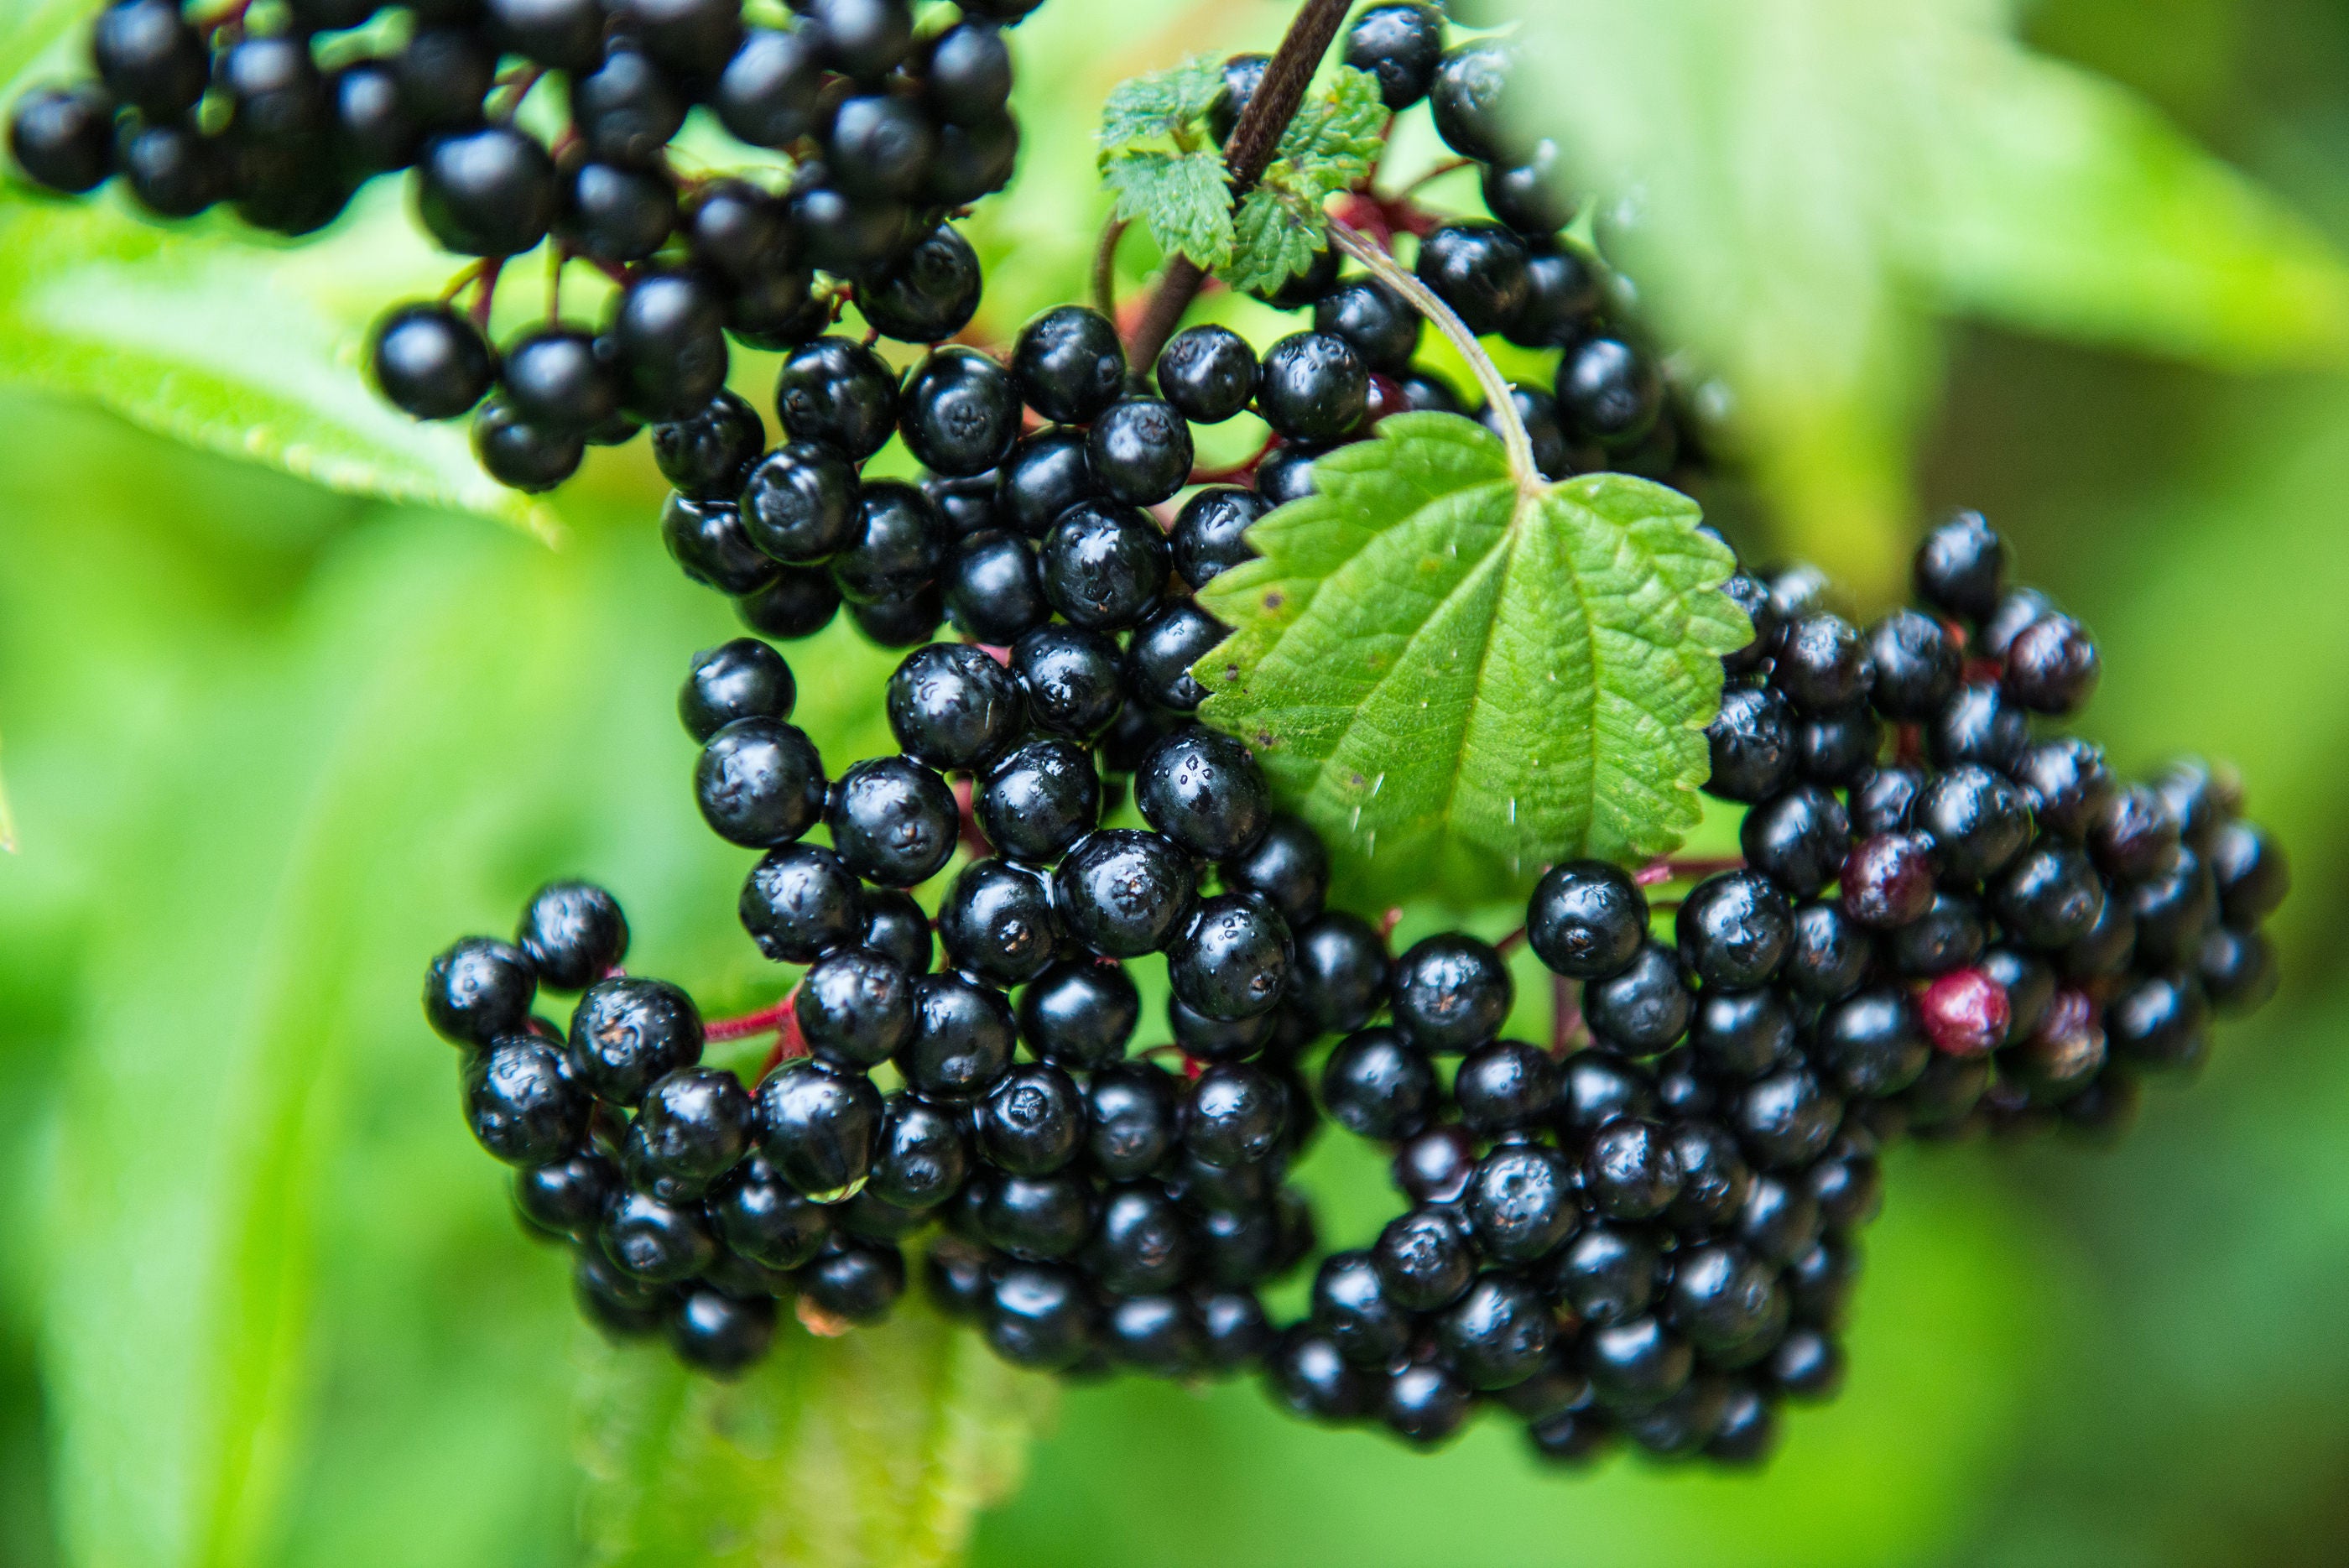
{"points": [[1041, 464], [1646, 1232], [286, 111], [1947, 919]]}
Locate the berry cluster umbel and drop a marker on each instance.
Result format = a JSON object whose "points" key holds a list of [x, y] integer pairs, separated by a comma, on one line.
{"points": [[1948, 922], [889, 130]]}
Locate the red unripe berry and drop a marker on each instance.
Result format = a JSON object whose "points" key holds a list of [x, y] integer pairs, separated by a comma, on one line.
{"points": [[1966, 1012], [1888, 880]]}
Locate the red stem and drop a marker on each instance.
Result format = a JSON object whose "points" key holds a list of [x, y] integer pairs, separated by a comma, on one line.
{"points": [[1565, 1030], [485, 295], [1666, 869], [1448, 166], [766, 1021], [1238, 471], [1511, 942]]}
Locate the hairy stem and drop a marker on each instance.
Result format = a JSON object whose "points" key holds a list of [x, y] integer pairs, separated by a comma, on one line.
{"points": [[1246, 157], [1388, 271]]}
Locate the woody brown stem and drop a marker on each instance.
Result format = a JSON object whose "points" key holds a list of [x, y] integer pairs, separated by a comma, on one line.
{"points": [[1247, 155]]}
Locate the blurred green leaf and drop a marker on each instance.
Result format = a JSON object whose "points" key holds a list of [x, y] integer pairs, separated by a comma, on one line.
{"points": [[31, 29], [1814, 180], [206, 1104], [223, 343], [7, 820], [1460, 683], [2074, 210], [878, 1447]]}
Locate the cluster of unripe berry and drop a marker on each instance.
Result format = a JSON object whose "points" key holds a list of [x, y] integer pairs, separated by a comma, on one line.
{"points": [[286, 109]]}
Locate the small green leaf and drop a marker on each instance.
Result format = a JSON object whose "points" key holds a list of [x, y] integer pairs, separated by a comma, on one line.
{"points": [[232, 345], [1275, 242], [1184, 198], [877, 1447], [1328, 148], [1169, 105], [1336, 134], [1460, 683]]}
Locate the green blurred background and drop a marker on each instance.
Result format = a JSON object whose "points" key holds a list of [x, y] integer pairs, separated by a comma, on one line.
{"points": [[270, 743]]}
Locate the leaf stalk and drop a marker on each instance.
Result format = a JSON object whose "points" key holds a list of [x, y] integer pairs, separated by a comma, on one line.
{"points": [[1387, 270]]}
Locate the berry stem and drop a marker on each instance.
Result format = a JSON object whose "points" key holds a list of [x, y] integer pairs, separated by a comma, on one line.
{"points": [[485, 292], [465, 274], [1238, 471], [1105, 267], [1448, 166], [1511, 942], [1664, 869], [1249, 151], [1388, 271], [507, 101], [1565, 1030], [766, 1021]]}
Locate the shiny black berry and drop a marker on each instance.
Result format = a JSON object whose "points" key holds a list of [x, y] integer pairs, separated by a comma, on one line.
{"points": [[479, 990], [1124, 893], [1069, 364], [960, 412], [1315, 386], [1208, 373], [1104, 564], [573, 933], [800, 902], [963, 1035], [1080, 1013], [1960, 568], [431, 362], [1451, 991], [521, 1103], [628, 1032], [1377, 1084], [838, 394], [1644, 1008], [1733, 930]]}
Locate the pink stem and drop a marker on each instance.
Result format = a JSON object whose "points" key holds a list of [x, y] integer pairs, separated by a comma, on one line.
{"points": [[1666, 869], [1565, 1030]]}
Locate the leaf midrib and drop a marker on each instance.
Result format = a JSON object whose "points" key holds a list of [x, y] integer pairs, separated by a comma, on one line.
{"points": [[1327, 770]]}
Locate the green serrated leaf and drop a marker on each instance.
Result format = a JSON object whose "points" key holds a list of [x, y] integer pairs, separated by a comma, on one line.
{"points": [[1184, 198], [222, 343], [1328, 148], [1460, 684], [1337, 132], [1168, 105], [878, 1447], [1273, 240]]}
